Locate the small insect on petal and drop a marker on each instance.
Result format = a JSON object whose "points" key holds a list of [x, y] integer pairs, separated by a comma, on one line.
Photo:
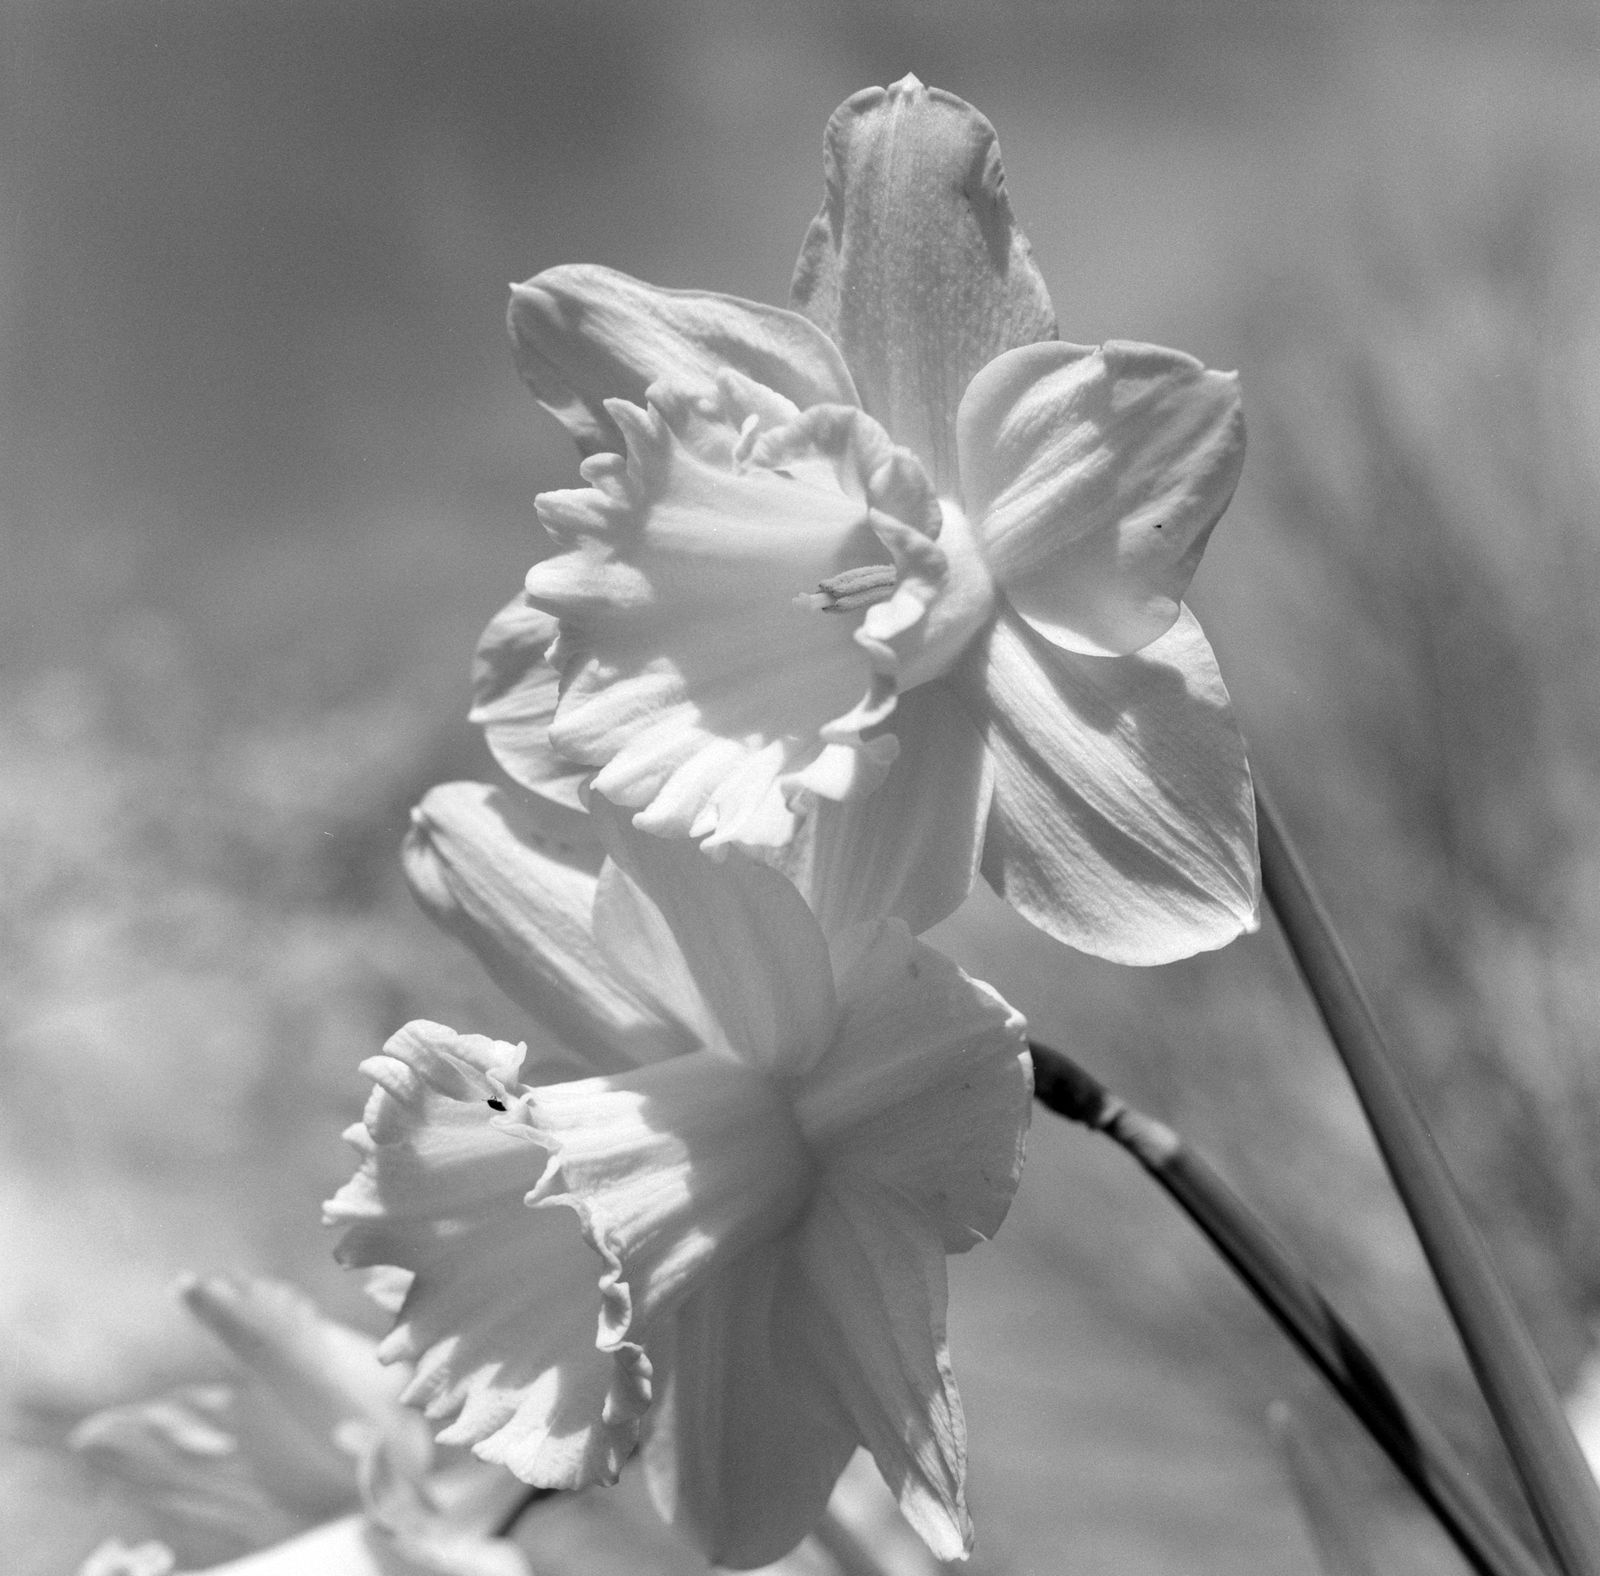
{"points": [[850, 590]]}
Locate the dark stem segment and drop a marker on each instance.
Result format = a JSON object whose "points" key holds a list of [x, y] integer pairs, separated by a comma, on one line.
{"points": [[1420, 1452], [1514, 1381], [507, 1524]]}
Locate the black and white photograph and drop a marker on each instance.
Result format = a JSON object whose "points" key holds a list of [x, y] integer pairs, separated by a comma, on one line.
{"points": [[808, 788]]}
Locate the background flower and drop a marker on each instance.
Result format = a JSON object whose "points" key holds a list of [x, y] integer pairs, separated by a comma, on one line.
{"points": [[266, 1472]]}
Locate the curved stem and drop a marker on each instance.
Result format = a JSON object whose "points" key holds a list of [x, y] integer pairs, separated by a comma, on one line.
{"points": [[1521, 1398], [1420, 1452], [507, 1524]]}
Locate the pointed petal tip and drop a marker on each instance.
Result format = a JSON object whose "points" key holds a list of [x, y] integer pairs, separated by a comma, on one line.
{"points": [[915, 266]]}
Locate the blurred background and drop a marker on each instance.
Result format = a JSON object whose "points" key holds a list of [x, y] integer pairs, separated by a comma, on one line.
{"points": [[267, 472]]}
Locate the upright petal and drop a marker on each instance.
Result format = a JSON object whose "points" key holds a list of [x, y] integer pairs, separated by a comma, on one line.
{"points": [[480, 867], [728, 946], [744, 1443], [910, 849], [514, 694], [1095, 477], [697, 672], [1123, 821], [871, 1305], [583, 334], [927, 1089], [915, 265], [499, 1320]]}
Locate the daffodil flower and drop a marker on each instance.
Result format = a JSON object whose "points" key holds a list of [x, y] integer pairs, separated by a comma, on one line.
{"points": [[897, 554], [309, 1465], [727, 1239]]}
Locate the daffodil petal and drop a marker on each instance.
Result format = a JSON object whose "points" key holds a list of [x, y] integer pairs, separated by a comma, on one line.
{"points": [[909, 849], [873, 1327], [411, 1527], [325, 1375], [1095, 477], [499, 1320], [479, 863], [179, 1455], [1123, 821], [695, 673], [915, 266], [729, 946], [744, 1444], [583, 334], [350, 1546], [337, 1548], [928, 1086], [116, 1558], [514, 694], [309, 1386], [673, 1171]]}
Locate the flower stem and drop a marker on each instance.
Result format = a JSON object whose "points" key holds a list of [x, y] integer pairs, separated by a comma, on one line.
{"points": [[1521, 1398], [507, 1524], [1420, 1452]]}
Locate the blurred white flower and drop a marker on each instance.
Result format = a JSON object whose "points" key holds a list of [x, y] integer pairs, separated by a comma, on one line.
{"points": [[904, 557], [753, 1194], [309, 1464]]}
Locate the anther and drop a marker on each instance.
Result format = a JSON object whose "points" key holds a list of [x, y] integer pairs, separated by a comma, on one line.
{"points": [[850, 590]]}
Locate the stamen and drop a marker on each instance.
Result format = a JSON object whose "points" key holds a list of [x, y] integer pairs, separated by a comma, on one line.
{"points": [[850, 590]]}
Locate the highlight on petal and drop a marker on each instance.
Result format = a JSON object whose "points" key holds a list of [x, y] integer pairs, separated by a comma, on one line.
{"points": [[909, 850], [744, 1444], [927, 1089], [583, 335], [116, 1558], [514, 694], [728, 948], [672, 1171], [1123, 821], [480, 866], [1095, 477], [871, 1298], [499, 1320], [696, 673], [915, 266]]}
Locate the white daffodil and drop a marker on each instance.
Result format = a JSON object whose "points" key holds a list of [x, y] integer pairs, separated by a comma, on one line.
{"points": [[898, 554], [728, 1239], [309, 1465]]}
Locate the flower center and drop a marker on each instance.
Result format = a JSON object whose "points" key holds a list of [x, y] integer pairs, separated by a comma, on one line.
{"points": [[850, 590], [673, 1170], [963, 607]]}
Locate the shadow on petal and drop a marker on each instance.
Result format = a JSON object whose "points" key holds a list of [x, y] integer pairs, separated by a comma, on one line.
{"points": [[1123, 821]]}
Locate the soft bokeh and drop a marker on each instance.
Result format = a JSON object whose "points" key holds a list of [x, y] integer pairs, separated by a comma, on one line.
{"points": [[267, 471]]}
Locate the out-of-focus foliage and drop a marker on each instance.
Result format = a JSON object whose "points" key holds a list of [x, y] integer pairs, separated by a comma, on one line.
{"points": [[267, 472]]}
